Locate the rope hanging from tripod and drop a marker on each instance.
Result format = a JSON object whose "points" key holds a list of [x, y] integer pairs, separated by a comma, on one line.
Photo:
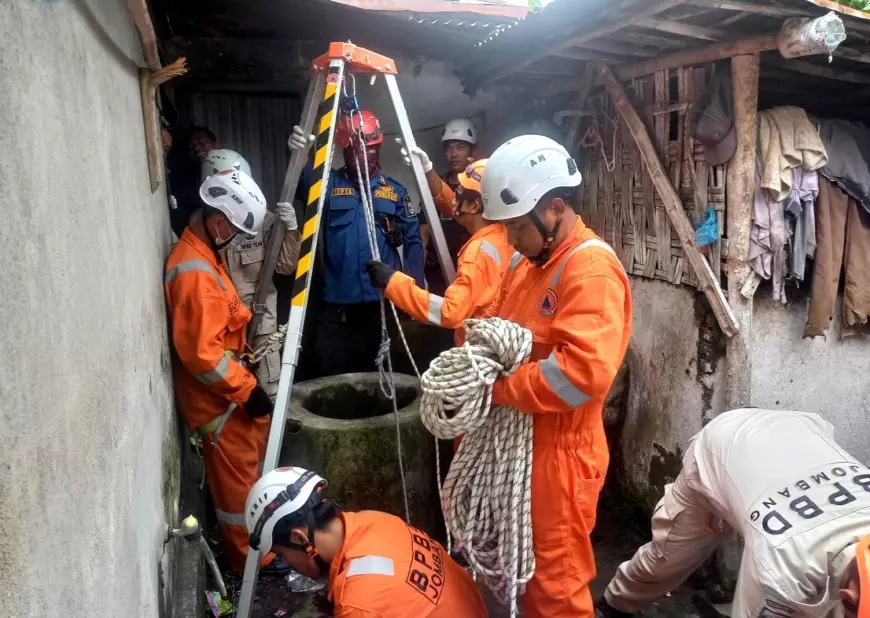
{"points": [[486, 497], [384, 360]]}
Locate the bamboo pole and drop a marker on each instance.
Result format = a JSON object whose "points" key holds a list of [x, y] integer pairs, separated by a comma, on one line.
{"points": [[707, 281], [738, 217]]}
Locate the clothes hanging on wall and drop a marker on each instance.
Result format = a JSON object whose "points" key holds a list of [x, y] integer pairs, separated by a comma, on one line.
{"points": [[848, 145], [768, 236], [787, 139], [800, 204], [843, 237], [789, 152]]}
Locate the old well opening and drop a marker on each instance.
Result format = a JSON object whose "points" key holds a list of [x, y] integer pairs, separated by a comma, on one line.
{"points": [[355, 399]]}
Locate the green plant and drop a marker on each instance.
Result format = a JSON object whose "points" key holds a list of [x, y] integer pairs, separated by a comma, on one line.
{"points": [[861, 5]]}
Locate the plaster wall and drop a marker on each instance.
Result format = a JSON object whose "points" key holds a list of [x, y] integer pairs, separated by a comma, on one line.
{"points": [[88, 447], [828, 375]]}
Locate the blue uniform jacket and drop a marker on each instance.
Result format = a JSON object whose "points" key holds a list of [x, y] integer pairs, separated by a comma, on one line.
{"points": [[346, 245]]}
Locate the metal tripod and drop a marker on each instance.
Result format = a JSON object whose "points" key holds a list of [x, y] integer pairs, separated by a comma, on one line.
{"points": [[321, 107]]}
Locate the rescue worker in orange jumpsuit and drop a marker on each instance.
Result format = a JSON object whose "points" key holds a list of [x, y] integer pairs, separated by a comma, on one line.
{"points": [[459, 140], [219, 397], [378, 566], [570, 290], [481, 263]]}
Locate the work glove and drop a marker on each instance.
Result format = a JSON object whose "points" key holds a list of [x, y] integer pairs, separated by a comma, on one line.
{"points": [[259, 403], [298, 139], [379, 273], [425, 161], [287, 214]]}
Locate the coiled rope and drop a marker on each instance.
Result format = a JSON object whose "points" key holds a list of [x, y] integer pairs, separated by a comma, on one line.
{"points": [[486, 497]]}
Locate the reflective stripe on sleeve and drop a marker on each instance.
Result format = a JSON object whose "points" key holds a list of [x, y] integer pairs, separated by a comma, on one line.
{"points": [[559, 383], [190, 266], [217, 374], [435, 303], [371, 565]]}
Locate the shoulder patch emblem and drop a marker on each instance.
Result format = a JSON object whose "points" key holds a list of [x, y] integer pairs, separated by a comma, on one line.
{"points": [[343, 191], [411, 209], [549, 303]]}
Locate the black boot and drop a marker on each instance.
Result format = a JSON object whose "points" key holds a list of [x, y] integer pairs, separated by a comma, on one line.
{"points": [[603, 610]]}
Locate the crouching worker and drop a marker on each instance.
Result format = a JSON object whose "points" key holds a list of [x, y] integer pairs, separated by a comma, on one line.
{"points": [[378, 566], [482, 262], [798, 499]]}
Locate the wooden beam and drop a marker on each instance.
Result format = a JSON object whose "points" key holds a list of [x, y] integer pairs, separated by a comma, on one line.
{"points": [[145, 29], [685, 57], [588, 56], [637, 14], [619, 49], [698, 55], [740, 197], [817, 70], [684, 11], [745, 6], [707, 281], [689, 30], [852, 54], [582, 93]]}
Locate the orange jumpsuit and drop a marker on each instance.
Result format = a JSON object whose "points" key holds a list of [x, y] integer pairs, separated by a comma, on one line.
{"points": [[207, 320], [387, 569], [445, 199], [578, 307], [481, 263]]}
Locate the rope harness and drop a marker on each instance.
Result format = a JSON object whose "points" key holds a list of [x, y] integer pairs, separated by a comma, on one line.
{"points": [[486, 497]]}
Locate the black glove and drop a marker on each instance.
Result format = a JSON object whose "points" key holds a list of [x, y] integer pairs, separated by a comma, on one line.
{"points": [[259, 403], [379, 273]]}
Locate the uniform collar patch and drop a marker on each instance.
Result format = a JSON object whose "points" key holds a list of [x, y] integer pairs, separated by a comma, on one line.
{"points": [[549, 303]]}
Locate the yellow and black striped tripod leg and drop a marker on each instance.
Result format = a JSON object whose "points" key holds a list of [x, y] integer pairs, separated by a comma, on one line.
{"points": [[323, 98]]}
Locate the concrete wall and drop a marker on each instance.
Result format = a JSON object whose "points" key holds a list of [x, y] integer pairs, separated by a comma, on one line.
{"points": [[674, 374], [88, 453], [830, 375], [676, 378]]}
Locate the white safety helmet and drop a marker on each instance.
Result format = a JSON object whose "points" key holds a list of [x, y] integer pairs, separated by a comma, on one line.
{"points": [[221, 160], [278, 493], [521, 171], [235, 194], [461, 129]]}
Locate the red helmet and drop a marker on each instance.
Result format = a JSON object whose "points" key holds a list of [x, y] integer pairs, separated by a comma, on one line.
{"points": [[349, 126]]}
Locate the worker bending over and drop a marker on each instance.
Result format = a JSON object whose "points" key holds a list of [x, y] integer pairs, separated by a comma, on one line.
{"points": [[244, 263], [349, 325], [219, 398], [459, 140], [571, 291], [482, 262], [378, 566], [798, 499]]}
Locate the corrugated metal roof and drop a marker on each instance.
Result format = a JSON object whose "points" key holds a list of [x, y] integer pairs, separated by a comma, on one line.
{"points": [[480, 7], [255, 126]]}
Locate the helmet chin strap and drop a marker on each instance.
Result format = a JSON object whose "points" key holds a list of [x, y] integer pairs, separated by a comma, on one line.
{"points": [[549, 237], [217, 246], [309, 548]]}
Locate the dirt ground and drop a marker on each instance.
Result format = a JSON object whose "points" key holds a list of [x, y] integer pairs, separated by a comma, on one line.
{"points": [[613, 544]]}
